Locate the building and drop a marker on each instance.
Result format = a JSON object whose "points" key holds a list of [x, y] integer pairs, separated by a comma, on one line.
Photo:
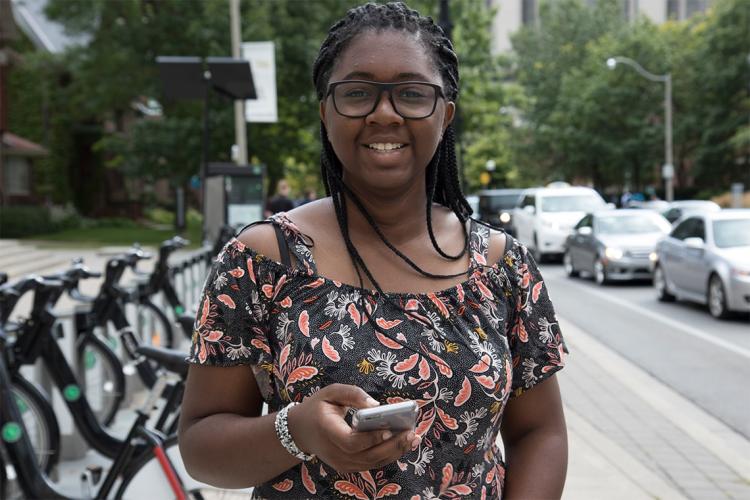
{"points": [[513, 14]]}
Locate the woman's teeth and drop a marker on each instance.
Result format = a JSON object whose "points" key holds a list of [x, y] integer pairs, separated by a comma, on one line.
{"points": [[385, 146]]}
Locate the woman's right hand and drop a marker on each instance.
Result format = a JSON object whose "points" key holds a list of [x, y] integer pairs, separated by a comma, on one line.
{"points": [[317, 426]]}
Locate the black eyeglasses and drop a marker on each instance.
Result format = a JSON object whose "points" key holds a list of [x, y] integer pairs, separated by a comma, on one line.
{"points": [[359, 98]]}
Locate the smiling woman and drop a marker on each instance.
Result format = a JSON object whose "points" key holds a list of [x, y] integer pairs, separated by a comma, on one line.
{"points": [[384, 292]]}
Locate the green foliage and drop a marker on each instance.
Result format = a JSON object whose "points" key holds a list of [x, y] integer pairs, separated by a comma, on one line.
{"points": [[23, 221], [587, 123]]}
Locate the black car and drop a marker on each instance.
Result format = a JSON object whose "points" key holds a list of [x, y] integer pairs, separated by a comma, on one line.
{"points": [[496, 207]]}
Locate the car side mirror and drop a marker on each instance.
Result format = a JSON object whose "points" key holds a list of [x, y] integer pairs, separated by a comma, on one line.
{"points": [[584, 231], [695, 243], [529, 209]]}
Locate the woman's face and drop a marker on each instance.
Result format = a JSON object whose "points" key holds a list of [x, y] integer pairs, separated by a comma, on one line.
{"points": [[386, 56]]}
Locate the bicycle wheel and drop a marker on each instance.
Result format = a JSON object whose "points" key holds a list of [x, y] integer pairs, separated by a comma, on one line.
{"points": [[152, 326], [39, 420], [101, 376], [145, 479]]}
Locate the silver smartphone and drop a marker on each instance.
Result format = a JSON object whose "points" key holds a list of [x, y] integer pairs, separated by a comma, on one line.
{"points": [[394, 417]]}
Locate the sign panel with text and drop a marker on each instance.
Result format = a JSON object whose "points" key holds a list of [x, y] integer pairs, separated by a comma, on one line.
{"points": [[263, 65]]}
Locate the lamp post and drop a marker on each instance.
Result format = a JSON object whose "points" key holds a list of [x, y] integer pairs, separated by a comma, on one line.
{"points": [[667, 171]]}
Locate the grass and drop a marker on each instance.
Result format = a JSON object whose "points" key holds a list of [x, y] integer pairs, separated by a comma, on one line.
{"points": [[116, 236]]}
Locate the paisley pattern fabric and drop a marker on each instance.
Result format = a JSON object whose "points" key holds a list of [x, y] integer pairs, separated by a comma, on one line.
{"points": [[461, 353]]}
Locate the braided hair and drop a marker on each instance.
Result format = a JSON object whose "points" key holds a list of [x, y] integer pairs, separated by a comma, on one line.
{"points": [[442, 181], [442, 184]]}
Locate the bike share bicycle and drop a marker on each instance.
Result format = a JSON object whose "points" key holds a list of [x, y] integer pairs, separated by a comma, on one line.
{"points": [[145, 459]]}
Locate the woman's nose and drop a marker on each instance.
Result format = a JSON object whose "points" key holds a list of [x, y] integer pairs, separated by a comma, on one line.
{"points": [[384, 112]]}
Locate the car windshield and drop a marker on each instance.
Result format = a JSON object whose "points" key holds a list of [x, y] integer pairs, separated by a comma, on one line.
{"points": [[493, 203], [575, 203], [631, 224], [732, 233]]}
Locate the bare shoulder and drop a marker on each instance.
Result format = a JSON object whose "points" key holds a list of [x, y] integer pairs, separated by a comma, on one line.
{"points": [[262, 239], [497, 244]]}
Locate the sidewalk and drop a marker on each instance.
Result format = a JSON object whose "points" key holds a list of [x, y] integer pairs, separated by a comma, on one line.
{"points": [[631, 437]]}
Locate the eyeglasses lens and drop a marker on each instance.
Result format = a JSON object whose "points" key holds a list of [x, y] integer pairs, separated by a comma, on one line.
{"points": [[411, 100]]}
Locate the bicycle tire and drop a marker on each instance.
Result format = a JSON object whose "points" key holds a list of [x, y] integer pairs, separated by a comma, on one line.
{"points": [[145, 477], [102, 378], [153, 327], [39, 420]]}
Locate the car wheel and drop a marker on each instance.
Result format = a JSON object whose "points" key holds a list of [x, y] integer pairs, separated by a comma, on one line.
{"points": [[568, 265], [537, 252], [717, 298], [600, 272], [660, 284]]}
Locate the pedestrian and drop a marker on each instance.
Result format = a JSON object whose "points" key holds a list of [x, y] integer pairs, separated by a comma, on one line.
{"points": [[280, 202], [384, 291], [310, 195]]}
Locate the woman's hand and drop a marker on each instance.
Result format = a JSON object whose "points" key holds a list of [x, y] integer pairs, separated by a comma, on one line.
{"points": [[318, 427]]}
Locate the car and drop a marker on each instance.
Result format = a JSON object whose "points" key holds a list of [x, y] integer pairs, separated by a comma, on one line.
{"points": [[614, 244], [706, 259], [660, 206], [473, 201], [496, 207], [544, 217], [677, 209]]}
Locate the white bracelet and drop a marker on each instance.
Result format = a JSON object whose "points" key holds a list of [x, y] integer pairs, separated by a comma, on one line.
{"points": [[285, 437]]}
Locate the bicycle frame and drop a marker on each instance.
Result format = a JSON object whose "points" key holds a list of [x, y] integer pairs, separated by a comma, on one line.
{"points": [[32, 480]]}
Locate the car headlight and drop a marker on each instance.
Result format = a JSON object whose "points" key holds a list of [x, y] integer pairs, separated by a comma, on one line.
{"points": [[653, 256], [505, 217], [613, 253]]}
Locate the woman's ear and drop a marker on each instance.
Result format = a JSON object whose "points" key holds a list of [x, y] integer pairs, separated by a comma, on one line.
{"points": [[450, 113], [322, 111]]}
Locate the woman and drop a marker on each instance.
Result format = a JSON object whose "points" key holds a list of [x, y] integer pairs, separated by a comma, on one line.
{"points": [[384, 291]]}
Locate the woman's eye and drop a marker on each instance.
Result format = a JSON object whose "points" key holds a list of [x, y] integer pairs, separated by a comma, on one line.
{"points": [[356, 93], [411, 93]]}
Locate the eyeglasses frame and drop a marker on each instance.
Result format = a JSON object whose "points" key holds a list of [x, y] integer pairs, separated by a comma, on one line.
{"points": [[383, 87]]}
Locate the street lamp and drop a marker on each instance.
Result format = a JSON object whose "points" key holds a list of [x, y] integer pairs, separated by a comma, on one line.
{"points": [[667, 171]]}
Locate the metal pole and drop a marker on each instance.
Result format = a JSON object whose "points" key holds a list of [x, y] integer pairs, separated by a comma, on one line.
{"points": [[668, 135], [204, 147], [240, 137]]}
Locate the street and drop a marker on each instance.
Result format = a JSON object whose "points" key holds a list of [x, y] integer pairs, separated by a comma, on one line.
{"points": [[680, 344]]}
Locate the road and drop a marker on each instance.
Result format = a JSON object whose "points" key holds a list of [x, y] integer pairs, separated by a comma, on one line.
{"points": [[704, 359]]}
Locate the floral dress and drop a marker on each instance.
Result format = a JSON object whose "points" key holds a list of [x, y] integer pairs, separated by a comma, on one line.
{"points": [[461, 353]]}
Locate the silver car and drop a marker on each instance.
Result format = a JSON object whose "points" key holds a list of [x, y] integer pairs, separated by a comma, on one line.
{"points": [[614, 244], [681, 208], [706, 259]]}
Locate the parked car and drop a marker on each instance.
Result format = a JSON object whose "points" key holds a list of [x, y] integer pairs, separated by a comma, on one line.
{"points": [[496, 207], [614, 244], [706, 259], [678, 209], [546, 215], [473, 203], [660, 206]]}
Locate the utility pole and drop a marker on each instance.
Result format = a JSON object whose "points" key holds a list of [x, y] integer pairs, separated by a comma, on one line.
{"points": [[240, 131]]}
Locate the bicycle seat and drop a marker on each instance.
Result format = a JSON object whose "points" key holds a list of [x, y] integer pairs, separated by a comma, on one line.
{"points": [[169, 359]]}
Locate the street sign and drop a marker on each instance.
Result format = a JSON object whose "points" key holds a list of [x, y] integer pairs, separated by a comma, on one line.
{"points": [[667, 171]]}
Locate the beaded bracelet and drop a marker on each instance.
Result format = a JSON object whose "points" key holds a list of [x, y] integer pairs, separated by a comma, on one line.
{"points": [[285, 437]]}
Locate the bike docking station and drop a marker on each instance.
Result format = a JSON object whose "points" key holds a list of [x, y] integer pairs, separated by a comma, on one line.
{"points": [[230, 194]]}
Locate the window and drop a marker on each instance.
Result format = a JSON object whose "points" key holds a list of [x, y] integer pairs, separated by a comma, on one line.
{"points": [[585, 222], [683, 229], [528, 12], [732, 233], [528, 201], [17, 176], [698, 229], [673, 9], [694, 7]]}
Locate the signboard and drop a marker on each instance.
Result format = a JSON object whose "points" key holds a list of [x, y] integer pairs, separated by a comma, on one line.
{"points": [[263, 65], [667, 171]]}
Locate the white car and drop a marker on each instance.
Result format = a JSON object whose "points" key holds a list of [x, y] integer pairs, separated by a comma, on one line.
{"points": [[706, 259], [545, 216]]}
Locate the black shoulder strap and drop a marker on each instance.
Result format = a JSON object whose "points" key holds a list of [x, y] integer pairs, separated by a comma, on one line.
{"points": [[283, 246]]}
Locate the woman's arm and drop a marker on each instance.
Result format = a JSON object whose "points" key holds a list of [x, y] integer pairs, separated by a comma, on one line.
{"points": [[536, 444], [224, 441]]}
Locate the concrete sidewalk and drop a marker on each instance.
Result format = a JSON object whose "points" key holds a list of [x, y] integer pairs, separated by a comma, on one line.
{"points": [[632, 437]]}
